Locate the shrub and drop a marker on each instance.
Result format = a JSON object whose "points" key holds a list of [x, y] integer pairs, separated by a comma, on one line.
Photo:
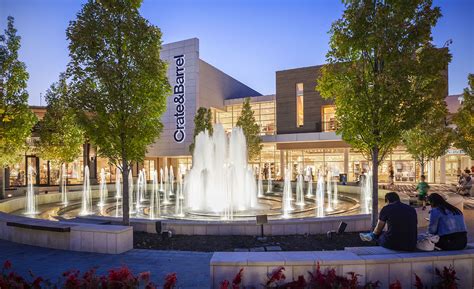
{"points": [[121, 278]]}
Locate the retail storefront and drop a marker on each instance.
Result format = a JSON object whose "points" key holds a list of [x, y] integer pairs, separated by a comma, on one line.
{"points": [[297, 127]]}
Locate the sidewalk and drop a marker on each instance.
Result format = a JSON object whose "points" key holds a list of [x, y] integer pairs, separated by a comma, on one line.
{"points": [[192, 268]]}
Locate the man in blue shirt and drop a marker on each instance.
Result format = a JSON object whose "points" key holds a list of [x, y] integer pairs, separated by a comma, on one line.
{"points": [[401, 221]]}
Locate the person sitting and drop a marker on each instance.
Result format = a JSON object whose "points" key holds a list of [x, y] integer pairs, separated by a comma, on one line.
{"points": [[401, 223], [447, 222], [422, 189], [465, 184]]}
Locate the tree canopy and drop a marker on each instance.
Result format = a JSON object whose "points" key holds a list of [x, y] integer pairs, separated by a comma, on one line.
{"points": [[60, 137], [464, 121], [383, 73], [431, 137], [251, 130], [202, 122], [118, 82], [16, 118]]}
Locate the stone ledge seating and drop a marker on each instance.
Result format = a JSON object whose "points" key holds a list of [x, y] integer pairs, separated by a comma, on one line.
{"points": [[98, 238], [372, 263]]}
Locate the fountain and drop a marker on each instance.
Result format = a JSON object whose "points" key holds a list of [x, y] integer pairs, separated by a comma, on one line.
{"points": [[228, 213], [287, 193], [179, 199], [269, 181], [259, 185], [335, 199], [206, 181], [329, 191], [102, 188], [366, 193], [171, 182], [141, 190], [130, 192], [154, 197], [320, 196], [166, 197], [31, 206], [309, 193], [300, 190], [63, 183], [161, 180], [86, 205], [118, 184]]}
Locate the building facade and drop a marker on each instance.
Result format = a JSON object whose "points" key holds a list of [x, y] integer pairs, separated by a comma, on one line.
{"points": [[297, 127]]}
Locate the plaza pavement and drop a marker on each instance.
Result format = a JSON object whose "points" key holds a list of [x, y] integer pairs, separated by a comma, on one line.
{"points": [[192, 268]]}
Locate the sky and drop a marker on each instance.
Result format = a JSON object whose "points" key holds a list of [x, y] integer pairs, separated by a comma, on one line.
{"points": [[247, 39]]}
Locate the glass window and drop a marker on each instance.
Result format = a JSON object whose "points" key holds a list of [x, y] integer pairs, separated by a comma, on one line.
{"points": [[329, 118], [149, 166], [17, 174], [299, 105]]}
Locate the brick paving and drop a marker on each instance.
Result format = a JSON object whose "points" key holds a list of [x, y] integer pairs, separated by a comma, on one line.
{"points": [[192, 268]]}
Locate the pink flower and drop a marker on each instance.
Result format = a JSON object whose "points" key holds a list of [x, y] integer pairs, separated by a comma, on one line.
{"points": [[170, 281], [224, 285], [145, 275], [237, 279], [277, 275]]}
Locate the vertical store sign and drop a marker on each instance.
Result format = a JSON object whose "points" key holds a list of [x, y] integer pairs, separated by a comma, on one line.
{"points": [[179, 99]]}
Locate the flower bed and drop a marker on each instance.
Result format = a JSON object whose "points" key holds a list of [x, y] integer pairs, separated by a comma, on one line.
{"points": [[73, 279], [124, 278], [330, 280]]}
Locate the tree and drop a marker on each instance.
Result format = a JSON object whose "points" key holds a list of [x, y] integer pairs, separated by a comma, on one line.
{"points": [[430, 138], [16, 119], [60, 137], [202, 122], [383, 74], [118, 82], [464, 121], [251, 130]]}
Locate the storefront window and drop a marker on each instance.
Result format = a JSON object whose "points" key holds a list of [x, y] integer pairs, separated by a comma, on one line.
{"points": [[149, 166], [17, 174], [31, 163], [43, 171], [54, 173], [264, 113], [185, 163], [358, 164], [329, 118]]}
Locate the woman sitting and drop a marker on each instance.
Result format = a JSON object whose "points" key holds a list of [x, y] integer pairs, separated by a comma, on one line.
{"points": [[447, 222]]}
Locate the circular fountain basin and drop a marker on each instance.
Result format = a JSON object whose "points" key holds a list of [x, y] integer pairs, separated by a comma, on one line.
{"points": [[269, 205]]}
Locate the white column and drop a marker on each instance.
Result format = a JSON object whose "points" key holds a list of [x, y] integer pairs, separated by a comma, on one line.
{"points": [[442, 170], [346, 162]]}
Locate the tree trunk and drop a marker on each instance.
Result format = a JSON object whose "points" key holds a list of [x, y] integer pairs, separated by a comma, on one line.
{"points": [[422, 168], [125, 192], [2, 183], [375, 186]]}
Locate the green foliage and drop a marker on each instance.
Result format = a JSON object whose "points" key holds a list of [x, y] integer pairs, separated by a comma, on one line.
{"points": [[383, 73], [60, 137], [251, 130], [464, 121], [16, 119], [118, 82], [431, 138], [202, 122]]}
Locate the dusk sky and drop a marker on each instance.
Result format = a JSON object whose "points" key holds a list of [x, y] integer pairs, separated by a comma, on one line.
{"points": [[247, 39]]}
